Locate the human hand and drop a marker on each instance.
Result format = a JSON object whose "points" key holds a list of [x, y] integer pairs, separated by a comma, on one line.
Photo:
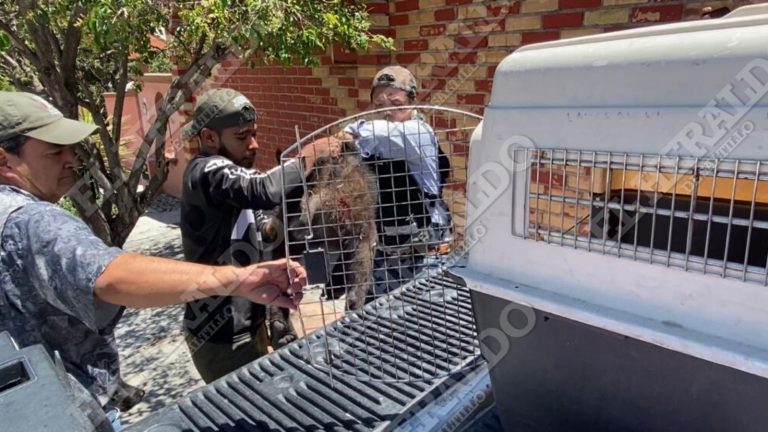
{"points": [[279, 283], [323, 147], [344, 137]]}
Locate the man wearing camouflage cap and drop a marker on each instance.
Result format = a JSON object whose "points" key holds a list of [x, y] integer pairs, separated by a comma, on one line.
{"points": [[222, 202], [411, 168], [61, 286]]}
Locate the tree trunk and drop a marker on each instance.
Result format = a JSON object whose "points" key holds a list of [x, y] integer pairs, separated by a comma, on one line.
{"points": [[85, 203], [124, 222]]}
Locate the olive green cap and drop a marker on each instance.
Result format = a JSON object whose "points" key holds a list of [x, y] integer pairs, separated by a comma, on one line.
{"points": [[218, 109], [32, 116]]}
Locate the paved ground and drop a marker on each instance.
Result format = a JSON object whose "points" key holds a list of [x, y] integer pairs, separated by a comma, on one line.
{"points": [[153, 353], [152, 350]]}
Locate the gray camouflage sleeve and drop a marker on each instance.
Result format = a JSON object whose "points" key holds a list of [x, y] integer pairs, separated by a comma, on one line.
{"points": [[60, 257]]}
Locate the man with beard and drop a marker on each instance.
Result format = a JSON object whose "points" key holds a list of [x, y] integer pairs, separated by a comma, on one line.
{"points": [[222, 199], [61, 286]]}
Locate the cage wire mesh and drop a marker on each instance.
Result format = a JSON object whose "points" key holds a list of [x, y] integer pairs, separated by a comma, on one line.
{"points": [[701, 215], [379, 225]]}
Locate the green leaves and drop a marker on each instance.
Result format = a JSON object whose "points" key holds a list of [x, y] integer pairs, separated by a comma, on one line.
{"points": [[5, 84], [5, 41], [285, 31], [123, 25]]}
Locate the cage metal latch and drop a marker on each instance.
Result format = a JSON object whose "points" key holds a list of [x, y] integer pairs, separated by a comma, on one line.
{"points": [[316, 264]]}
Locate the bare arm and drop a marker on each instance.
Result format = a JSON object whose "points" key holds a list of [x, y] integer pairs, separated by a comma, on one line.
{"points": [[322, 147], [141, 281]]}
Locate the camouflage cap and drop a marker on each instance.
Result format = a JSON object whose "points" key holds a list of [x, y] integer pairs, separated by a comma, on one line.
{"points": [[30, 115], [397, 77], [218, 109]]}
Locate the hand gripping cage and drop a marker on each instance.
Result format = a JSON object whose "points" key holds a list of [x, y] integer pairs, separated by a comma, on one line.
{"points": [[378, 225]]}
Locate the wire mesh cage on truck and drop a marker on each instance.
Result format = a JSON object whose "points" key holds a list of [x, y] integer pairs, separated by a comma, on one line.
{"points": [[386, 213], [628, 218]]}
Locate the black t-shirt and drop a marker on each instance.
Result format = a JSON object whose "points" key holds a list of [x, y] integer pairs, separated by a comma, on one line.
{"points": [[217, 219]]}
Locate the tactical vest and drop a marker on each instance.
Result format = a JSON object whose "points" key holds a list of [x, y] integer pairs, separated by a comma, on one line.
{"points": [[402, 210]]}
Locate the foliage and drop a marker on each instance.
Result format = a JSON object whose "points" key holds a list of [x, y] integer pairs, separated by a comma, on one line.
{"points": [[5, 84], [67, 204], [73, 51], [160, 64]]}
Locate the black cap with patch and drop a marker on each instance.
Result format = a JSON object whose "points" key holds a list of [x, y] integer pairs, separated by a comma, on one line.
{"points": [[219, 109]]}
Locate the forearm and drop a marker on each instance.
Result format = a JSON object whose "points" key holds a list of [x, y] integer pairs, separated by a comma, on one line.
{"points": [[409, 139], [323, 147], [141, 281], [307, 161], [307, 158]]}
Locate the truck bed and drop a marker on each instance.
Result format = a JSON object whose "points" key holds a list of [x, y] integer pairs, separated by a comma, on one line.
{"points": [[284, 391]]}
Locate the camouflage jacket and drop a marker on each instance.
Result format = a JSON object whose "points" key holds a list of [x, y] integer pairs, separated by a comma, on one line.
{"points": [[49, 263]]}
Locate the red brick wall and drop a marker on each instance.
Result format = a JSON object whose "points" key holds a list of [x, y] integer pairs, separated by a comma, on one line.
{"points": [[452, 46], [554, 181]]}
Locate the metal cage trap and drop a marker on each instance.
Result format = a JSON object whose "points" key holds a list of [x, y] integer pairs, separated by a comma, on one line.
{"points": [[376, 228]]}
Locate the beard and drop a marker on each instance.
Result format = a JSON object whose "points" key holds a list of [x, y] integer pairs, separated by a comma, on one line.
{"points": [[245, 161]]}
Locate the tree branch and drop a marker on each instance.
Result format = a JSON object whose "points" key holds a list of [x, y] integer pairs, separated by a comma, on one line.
{"points": [[117, 114], [180, 91], [199, 49], [111, 148], [52, 41], [25, 49], [122, 194], [116, 193], [86, 152], [17, 71], [97, 116], [48, 71], [71, 43], [161, 167]]}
